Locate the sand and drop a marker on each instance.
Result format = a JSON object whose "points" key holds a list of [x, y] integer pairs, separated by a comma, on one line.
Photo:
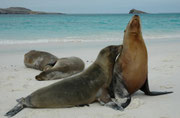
{"points": [[17, 81]]}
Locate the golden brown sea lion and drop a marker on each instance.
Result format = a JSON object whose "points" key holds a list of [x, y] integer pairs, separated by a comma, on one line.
{"points": [[64, 67], [132, 64], [39, 60], [87, 87]]}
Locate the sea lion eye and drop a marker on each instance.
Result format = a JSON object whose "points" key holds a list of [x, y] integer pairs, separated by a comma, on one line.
{"points": [[124, 30]]}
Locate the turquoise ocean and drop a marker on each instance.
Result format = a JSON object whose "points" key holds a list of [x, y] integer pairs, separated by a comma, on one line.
{"points": [[19, 29]]}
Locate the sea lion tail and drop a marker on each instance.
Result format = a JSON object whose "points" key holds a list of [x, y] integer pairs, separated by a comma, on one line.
{"points": [[16, 109]]}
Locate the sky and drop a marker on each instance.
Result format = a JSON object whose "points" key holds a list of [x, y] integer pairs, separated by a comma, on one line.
{"points": [[95, 6]]}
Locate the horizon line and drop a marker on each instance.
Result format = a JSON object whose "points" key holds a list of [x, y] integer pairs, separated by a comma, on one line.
{"points": [[95, 12]]}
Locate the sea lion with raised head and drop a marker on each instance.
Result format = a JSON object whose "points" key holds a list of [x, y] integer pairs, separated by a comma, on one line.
{"points": [[131, 66], [87, 87], [39, 60], [64, 67]]}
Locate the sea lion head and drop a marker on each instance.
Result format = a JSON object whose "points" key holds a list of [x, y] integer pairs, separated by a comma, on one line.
{"points": [[29, 58], [107, 56], [46, 75], [133, 29], [106, 60], [41, 76], [55, 73]]}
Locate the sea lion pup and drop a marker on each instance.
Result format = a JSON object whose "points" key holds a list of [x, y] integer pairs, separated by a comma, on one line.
{"points": [[64, 67], [39, 60], [132, 65], [84, 88]]}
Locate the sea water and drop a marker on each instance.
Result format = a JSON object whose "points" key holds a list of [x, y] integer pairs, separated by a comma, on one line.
{"points": [[15, 29]]}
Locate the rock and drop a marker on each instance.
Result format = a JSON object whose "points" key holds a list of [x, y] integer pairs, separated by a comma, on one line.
{"points": [[134, 11], [21, 10]]}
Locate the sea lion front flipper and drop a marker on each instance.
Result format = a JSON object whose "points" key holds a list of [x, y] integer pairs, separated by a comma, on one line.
{"points": [[105, 100], [119, 91], [111, 104], [114, 105], [145, 89]]}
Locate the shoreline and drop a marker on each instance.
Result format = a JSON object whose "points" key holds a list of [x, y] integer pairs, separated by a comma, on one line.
{"points": [[60, 45], [98, 38]]}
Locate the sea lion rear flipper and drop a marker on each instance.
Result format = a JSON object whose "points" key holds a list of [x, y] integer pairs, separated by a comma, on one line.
{"points": [[15, 110], [145, 89]]}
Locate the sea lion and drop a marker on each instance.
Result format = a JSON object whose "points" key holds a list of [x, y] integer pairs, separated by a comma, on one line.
{"points": [[87, 87], [131, 66], [64, 67], [39, 60]]}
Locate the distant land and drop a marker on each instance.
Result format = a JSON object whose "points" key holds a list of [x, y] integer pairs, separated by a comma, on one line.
{"points": [[135, 11], [22, 10]]}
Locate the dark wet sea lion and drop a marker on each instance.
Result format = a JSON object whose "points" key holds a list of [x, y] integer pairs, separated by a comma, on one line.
{"points": [[39, 60], [64, 67], [87, 87], [132, 65]]}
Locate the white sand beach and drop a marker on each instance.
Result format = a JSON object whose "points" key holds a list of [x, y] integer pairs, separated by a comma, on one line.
{"points": [[17, 81]]}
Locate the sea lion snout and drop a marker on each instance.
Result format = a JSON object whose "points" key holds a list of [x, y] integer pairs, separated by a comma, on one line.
{"points": [[135, 22], [38, 78], [136, 15], [43, 75]]}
